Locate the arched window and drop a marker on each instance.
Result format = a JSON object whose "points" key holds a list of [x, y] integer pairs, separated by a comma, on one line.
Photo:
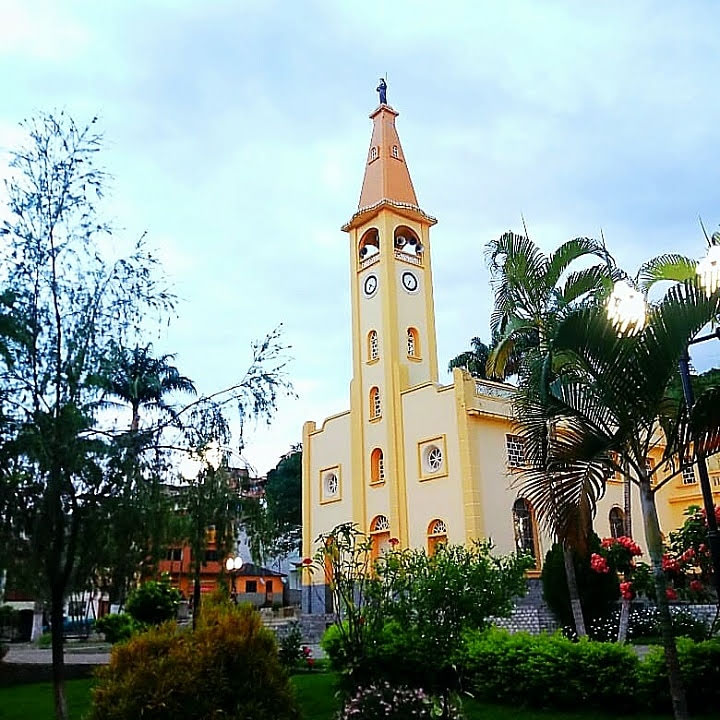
{"points": [[413, 343], [436, 535], [395, 151], [407, 242], [617, 522], [377, 466], [375, 406], [380, 536], [373, 153], [373, 345], [369, 245], [524, 526]]}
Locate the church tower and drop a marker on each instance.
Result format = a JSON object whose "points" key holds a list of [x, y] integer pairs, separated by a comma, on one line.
{"points": [[393, 332]]}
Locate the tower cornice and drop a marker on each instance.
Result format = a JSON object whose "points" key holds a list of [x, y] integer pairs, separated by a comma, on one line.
{"points": [[365, 214]]}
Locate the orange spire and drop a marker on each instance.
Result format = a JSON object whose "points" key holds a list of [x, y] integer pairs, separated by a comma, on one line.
{"points": [[386, 174]]}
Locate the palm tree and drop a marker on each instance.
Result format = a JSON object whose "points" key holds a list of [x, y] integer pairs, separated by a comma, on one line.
{"points": [[141, 380], [533, 293], [473, 360], [608, 408]]}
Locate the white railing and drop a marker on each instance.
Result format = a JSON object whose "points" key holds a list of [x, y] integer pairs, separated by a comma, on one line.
{"points": [[367, 262], [412, 259], [491, 390]]}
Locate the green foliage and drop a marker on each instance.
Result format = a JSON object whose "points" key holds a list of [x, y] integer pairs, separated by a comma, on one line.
{"points": [[290, 650], [8, 619], [381, 701], [548, 670], [117, 627], [598, 591], [700, 669], [153, 602], [405, 608], [228, 667], [45, 640]]}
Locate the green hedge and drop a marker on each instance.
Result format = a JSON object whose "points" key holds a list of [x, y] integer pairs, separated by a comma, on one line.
{"points": [[549, 670], [700, 668]]}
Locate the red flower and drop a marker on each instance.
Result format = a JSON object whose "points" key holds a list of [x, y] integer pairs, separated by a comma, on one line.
{"points": [[608, 542], [696, 586], [626, 590], [671, 594], [599, 564], [306, 651], [307, 561], [394, 541], [670, 564], [310, 662]]}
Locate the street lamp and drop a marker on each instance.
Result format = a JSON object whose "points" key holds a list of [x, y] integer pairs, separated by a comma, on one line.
{"points": [[232, 565], [626, 310]]}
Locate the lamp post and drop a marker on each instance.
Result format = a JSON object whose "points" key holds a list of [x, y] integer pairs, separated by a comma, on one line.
{"points": [[232, 565], [626, 310]]}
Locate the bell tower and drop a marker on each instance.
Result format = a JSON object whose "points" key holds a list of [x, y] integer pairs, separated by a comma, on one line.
{"points": [[394, 342]]}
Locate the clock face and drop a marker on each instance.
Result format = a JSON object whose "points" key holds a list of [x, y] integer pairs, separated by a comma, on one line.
{"points": [[410, 282], [370, 285]]}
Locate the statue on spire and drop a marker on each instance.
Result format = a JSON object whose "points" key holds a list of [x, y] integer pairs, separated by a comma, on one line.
{"points": [[382, 90]]}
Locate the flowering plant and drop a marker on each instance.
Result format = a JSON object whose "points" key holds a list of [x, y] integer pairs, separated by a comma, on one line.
{"points": [[382, 701]]}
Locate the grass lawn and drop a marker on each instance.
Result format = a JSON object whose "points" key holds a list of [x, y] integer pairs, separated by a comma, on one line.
{"points": [[315, 691]]}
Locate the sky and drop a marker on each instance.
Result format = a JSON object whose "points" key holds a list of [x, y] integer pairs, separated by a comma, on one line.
{"points": [[237, 133]]}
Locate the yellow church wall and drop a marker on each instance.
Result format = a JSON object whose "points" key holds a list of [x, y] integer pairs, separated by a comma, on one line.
{"points": [[429, 417]]}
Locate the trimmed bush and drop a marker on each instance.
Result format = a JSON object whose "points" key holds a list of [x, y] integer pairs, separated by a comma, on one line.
{"points": [[228, 667], [153, 602], [549, 671], [117, 627], [598, 591], [700, 668]]}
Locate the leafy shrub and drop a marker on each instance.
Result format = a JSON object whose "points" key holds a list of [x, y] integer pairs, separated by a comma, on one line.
{"points": [[700, 669], [8, 619], [548, 670], [153, 602], [382, 701], [228, 667], [598, 591], [117, 627], [290, 650], [45, 640]]}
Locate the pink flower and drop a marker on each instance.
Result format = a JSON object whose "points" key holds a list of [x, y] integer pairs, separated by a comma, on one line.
{"points": [[626, 590], [394, 541], [608, 542], [670, 564]]}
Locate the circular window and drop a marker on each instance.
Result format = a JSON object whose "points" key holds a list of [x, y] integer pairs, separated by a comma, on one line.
{"points": [[370, 285], [331, 484], [410, 282], [433, 458]]}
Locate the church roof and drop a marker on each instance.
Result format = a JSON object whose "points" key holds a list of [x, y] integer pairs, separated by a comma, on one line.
{"points": [[387, 178]]}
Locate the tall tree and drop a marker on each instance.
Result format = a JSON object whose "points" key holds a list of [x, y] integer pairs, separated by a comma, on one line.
{"points": [[78, 301], [473, 360], [608, 409], [533, 292]]}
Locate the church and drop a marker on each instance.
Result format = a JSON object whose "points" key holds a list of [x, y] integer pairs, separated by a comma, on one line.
{"points": [[414, 460]]}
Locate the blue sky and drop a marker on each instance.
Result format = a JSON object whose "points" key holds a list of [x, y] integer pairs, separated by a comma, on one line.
{"points": [[237, 133]]}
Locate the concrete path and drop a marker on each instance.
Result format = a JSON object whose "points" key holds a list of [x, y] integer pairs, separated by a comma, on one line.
{"points": [[27, 653]]}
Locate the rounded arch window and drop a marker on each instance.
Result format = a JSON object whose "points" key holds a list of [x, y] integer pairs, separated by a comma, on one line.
{"points": [[373, 153], [437, 535], [380, 524], [617, 522], [377, 466], [524, 527], [433, 458], [407, 241], [373, 345], [330, 484], [369, 244], [413, 343], [395, 151], [375, 404]]}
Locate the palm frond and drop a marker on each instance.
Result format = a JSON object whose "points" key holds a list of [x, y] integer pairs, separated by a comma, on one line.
{"points": [[669, 267], [571, 251], [593, 281]]}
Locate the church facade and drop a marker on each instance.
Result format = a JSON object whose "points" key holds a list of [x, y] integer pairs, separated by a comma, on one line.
{"points": [[414, 460]]}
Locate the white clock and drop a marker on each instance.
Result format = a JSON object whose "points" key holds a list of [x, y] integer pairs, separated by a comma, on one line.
{"points": [[370, 285], [410, 282]]}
